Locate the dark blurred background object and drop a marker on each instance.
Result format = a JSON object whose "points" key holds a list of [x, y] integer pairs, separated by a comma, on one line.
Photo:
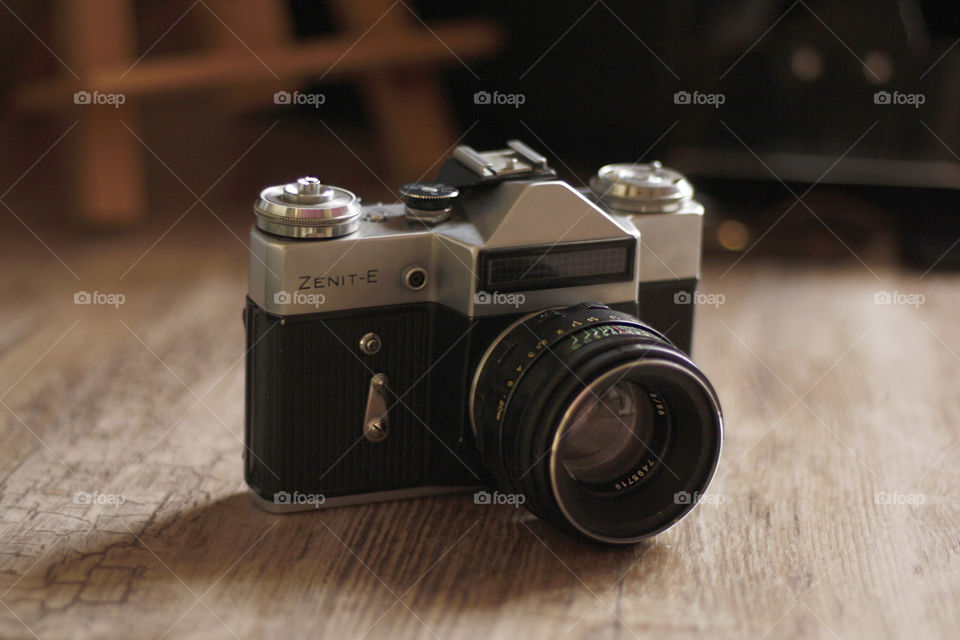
{"points": [[245, 49], [787, 134]]}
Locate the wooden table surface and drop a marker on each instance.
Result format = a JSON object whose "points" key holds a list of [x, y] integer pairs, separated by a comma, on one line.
{"points": [[833, 514]]}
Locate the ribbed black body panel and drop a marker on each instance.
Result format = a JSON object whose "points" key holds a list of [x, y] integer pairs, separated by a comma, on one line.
{"points": [[307, 385]]}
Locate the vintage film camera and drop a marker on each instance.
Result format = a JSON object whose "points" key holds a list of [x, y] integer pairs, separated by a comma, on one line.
{"points": [[498, 328]]}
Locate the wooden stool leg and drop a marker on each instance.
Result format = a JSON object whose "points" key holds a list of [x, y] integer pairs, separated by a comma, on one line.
{"points": [[110, 184], [407, 105], [111, 190], [240, 27]]}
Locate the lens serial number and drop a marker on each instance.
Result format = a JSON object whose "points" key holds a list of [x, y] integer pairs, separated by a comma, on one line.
{"points": [[636, 476]]}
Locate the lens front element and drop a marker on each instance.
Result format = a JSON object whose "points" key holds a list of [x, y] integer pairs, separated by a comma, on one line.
{"points": [[608, 436]]}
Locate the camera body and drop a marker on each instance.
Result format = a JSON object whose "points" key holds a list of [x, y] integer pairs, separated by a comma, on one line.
{"points": [[367, 324]]}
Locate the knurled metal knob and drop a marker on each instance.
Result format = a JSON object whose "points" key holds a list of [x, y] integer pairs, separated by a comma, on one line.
{"points": [[307, 208], [429, 202], [641, 188]]}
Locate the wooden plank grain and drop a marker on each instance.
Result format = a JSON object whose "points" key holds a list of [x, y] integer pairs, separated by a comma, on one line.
{"points": [[838, 410]]}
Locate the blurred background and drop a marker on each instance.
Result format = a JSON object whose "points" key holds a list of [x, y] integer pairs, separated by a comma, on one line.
{"points": [[810, 129], [822, 137]]}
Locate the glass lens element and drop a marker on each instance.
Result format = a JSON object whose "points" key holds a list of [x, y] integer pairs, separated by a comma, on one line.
{"points": [[609, 435]]}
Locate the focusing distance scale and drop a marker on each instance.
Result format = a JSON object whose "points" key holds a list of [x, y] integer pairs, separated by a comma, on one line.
{"points": [[608, 430]]}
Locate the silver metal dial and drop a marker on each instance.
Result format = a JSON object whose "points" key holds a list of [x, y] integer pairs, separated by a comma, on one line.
{"points": [[641, 188], [307, 208]]}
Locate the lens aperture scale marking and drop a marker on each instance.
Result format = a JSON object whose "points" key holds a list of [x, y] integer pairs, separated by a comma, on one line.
{"points": [[605, 331]]}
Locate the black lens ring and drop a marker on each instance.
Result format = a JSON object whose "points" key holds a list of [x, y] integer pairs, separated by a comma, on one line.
{"points": [[527, 441], [685, 466], [518, 400], [548, 387], [531, 423]]}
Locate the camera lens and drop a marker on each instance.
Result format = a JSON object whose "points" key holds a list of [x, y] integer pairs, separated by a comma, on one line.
{"points": [[598, 420], [600, 445]]}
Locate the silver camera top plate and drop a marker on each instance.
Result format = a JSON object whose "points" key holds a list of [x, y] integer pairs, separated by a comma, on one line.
{"points": [[390, 259]]}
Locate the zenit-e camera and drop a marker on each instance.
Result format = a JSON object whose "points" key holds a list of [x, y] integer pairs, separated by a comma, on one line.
{"points": [[497, 328]]}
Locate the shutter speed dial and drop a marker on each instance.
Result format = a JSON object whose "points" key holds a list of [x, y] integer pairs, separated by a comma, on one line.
{"points": [[428, 202]]}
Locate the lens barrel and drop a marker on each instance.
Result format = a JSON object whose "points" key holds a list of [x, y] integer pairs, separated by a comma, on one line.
{"points": [[608, 430]]}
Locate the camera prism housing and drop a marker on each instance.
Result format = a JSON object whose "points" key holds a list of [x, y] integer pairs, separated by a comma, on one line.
{"points": [[377, 337]]}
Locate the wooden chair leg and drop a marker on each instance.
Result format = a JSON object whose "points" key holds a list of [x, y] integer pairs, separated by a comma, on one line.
{"points": [[242, 26], [110, 184], [407, 106]]}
